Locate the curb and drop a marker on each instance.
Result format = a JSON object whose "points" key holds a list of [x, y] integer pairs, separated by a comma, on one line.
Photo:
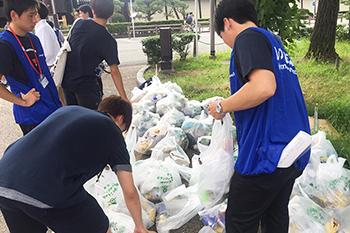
{"points": [[139, 76]]}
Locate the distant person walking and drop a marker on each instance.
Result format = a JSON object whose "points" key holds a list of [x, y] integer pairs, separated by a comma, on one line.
{"points": [[91, 43], [85, 11], [46, 35], [59, 35], [189, 19]]}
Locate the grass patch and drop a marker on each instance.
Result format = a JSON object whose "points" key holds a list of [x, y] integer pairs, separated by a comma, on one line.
{"points": [[324, 86]]}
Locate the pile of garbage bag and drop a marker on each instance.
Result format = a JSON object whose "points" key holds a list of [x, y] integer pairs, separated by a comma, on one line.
{"points": [[174, 186], [321, 195]]}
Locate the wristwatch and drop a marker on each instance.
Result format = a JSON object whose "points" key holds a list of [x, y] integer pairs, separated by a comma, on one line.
{"points": [[219, 108]]}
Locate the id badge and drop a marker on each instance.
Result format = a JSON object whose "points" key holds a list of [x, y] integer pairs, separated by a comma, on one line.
{"points": [[43, 81]]}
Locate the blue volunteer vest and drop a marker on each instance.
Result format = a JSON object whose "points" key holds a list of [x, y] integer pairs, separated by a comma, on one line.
{"points": [[49, 100], [265, 130]]}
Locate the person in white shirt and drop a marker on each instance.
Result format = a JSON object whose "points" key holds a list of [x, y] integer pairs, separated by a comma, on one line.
{"points": [[46, 35]]}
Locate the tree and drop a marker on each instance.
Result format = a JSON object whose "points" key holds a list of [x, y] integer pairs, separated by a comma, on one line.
{"points": [[148, 8], [175, 7], [322, 46], [282, 17]]}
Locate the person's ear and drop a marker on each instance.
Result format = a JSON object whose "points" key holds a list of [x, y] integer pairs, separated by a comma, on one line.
{"points": [[14, 16], [227, 23]]}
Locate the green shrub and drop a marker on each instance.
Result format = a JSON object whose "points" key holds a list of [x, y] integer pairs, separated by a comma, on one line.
{"points": [[118, 28], [304, 32], [118, 18], [1, 30], [342, 33], [180, 44], [122, 28], [151, 47]]}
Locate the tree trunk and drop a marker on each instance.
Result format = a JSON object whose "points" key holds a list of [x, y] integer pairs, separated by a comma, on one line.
{"points": [[125, 11], [322, 46], [166, 12], [175, 11], [200, 8]]}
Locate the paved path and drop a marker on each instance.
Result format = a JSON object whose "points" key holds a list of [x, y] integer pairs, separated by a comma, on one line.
{"points": [[132, 59]]}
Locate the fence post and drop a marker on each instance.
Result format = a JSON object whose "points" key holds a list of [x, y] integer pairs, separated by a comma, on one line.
{"points": [[129, 32]]}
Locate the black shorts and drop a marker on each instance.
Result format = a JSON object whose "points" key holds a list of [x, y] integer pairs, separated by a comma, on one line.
{"points": [[87, 217]]}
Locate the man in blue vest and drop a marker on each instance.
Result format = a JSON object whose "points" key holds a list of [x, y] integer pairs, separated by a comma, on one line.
{"points": [[269, 110], [22, 61]]}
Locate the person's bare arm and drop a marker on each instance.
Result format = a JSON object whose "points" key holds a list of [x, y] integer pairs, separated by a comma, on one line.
{"points": [[132, 200], [261, 86], [118, 81], [27, 99]]}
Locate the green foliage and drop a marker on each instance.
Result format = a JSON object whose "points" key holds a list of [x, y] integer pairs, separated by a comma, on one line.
{"points": [[118, 28], [118, 6], [1, 30], [304, 32], [342, 33], [282, 17], [148, 8], [117, 18], [151, 47], [173, 5], [180, 6], [180, 43]]}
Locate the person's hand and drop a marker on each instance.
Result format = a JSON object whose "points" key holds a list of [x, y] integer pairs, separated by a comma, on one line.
{"points": [[30, 98], [142, 230], [214, 113]]}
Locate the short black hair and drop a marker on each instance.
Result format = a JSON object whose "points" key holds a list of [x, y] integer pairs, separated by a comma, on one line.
{"points": [[43, 11], [86, 8], [116, 106], [104, 9], [19, 6], [240, 11]]}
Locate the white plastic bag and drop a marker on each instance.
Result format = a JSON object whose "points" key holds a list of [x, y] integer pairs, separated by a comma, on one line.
{"points": [[174, 117], [177, 207], [169, 147], [104, 189], [120, 223], [192, 108], [145, 120], [215, 172], [194, 129], [130, 141], [150, 139], [306, 216], [154, 178]]}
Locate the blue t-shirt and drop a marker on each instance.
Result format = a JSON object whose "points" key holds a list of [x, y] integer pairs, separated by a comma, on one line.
{"points": [[54, 160], [264, 131]]}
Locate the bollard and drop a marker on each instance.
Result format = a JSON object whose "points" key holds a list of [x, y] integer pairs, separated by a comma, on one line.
{"points": [[165, 49]]}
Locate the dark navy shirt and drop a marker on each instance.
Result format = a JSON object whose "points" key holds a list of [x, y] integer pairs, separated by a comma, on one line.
{"points": [[53, 161], [91, 43]]}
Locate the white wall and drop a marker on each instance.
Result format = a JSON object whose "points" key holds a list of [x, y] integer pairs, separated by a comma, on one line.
{"points": [[307, 4]]}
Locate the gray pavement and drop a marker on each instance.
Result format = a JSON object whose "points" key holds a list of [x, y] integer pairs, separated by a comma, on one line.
{"points": [[133, 62]]}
